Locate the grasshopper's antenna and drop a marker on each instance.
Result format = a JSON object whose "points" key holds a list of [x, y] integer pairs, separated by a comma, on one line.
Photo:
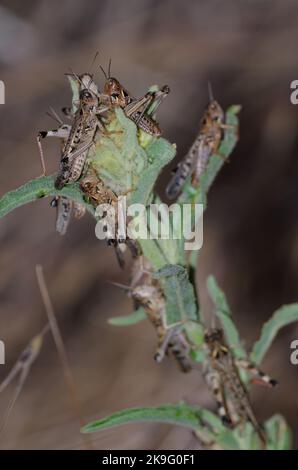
{"points": [[93, 61], [109, 68], [75, 75], [61, 349], [210, 91], [52, 114], [118, 284], [103, 71], [90, 68]]}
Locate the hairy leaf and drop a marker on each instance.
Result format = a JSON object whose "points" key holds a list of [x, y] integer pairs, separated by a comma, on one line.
{"points": [[127, 320], [223, 312], [282, 317], [179, 293], [180, 414], [279, 434], [37, 189]]}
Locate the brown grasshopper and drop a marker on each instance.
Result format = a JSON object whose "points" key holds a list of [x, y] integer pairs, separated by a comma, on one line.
{"points": [[81, 137], [206, 144], [97, 193], [140, 110], [228, 389], [146, 292], [77, 139]]}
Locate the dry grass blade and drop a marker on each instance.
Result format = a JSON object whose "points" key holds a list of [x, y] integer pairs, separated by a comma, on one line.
{"points": [[69, 379], [22, 367]]}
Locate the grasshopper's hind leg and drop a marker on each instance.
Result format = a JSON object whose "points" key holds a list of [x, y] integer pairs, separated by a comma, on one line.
{"points": [[259, 377], [218, 392], [62, 132]]}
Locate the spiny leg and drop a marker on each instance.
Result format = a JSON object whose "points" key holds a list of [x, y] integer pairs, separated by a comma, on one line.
{"points": [[62, 133], [259, 376], [217, 389], [163, 345]]}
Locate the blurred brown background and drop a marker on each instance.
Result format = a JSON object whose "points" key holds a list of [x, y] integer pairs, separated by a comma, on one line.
{"points": [[248, 51]]}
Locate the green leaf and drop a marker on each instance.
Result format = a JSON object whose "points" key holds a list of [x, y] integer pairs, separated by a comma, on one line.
{"points": [[279, 434], [179, 292], [127, 320], [124, 164], [223, 312], [160, 152], [118, 158], [75, 88], [180, 414], [37, 189], [161, 224], [282, 317], [195, 333]]}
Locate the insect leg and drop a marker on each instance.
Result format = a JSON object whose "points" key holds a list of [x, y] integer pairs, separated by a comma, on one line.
{"points": [[213, 380], [164, 342], [62, 132], [260, 377]]}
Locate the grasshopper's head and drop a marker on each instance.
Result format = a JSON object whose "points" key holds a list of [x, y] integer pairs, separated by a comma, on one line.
{"points": [[214, 339], [215, 112], [147, 296], [119, 96], [88, 99]]}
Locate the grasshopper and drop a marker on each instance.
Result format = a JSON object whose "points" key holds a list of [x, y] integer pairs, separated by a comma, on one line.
{"points": [[146, 292], [80, 135], [97, 193], [65, 207], [138, 110], [85, 125], [225, 382], [206, 144], [77, 139]]}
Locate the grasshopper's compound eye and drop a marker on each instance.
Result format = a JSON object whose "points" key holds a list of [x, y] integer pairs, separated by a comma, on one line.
{"points": [[86, 95]]}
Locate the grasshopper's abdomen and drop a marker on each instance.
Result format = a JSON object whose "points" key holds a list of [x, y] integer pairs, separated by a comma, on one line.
{"points": [[183, 170], [179, 350], [148, 125]]}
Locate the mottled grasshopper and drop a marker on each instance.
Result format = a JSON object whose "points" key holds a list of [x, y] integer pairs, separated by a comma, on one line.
{"points": [[82, 134], [136, 109], [79, 136], [206, 144], [97, 193], [223, 377], [77, 139]]}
